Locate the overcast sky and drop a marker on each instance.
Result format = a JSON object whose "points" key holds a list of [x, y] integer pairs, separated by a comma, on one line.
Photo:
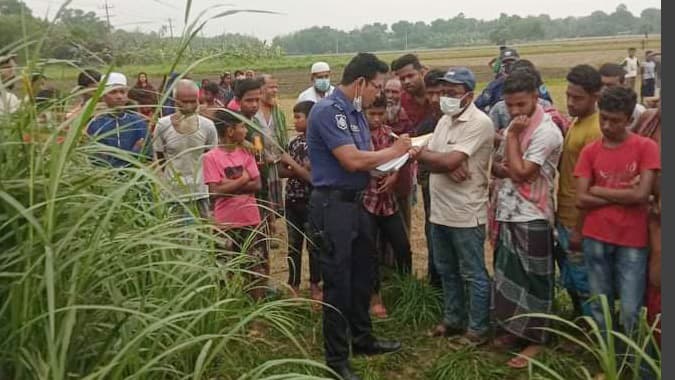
{"points": [[346, 15]]}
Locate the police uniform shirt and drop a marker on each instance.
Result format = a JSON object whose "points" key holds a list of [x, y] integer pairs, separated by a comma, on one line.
{"points": [[334, 122]]}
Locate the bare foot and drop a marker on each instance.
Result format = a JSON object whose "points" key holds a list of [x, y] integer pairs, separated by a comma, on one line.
{"points": [[379, 311], [523, 360]]}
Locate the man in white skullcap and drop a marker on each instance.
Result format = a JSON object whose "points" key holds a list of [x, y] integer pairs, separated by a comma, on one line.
{"points": [[118, 126], [321, 87]]}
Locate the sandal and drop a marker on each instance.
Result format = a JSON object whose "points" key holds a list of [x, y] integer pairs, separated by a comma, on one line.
{"points": [[442, 330], [470, 340], [523, 359], [518, 362]]}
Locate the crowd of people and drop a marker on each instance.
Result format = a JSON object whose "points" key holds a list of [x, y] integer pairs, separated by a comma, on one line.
{"points": [[577, 189]]}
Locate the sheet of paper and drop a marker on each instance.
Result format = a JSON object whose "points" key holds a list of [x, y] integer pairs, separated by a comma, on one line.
{"points": [[421, 141], [393, 165], [397, 163]]}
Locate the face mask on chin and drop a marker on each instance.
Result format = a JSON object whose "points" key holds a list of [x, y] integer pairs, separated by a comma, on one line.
{"points": [[358, 99]]}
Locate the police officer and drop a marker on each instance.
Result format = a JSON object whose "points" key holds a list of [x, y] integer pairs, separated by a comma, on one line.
{"points": [[493, 92], [341, 157]]}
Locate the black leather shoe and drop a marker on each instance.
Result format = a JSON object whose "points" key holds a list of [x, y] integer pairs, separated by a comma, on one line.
{"points": [[345, 372], [377, 347]]}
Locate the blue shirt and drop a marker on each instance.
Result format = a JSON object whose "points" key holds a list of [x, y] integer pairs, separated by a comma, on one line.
{"points": [[491, 94], [334, 122], [120, 131], [494, 93]]}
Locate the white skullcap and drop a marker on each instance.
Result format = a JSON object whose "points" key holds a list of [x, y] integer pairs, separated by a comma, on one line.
{"points": [[320, 67], [115, 79]]}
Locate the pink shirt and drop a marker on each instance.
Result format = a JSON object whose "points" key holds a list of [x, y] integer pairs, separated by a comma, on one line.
{"points": [[240, 210], [615, 168], [234, 105]]}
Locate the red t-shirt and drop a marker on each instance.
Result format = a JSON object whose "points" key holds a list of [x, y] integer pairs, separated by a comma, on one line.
{"points": [[615, 168], [416, 112], [239, 210]]}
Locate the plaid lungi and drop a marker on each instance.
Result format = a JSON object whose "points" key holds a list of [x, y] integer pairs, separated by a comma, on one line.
{"points": [[524, 278]]}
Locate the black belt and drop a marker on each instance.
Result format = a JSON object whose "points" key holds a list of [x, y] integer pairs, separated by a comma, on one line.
{"points": [[341, 194]]}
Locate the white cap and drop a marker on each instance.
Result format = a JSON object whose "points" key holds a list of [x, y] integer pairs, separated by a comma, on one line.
{"points": [[115, 79], [320, 67]]}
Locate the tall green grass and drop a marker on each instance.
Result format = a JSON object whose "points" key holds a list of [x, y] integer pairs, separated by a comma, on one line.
{"points": [[98, 279], [617, 356]]}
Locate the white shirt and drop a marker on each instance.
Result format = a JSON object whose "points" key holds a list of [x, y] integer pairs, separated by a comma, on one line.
{"points": [[183, 152], [311, 94], [544, 150], [648, 70], [464, 204], [9, 103], [631, 67], [637, 112]]}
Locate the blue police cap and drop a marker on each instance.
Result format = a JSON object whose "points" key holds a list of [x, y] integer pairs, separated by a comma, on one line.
{"points": [[460, 75]]}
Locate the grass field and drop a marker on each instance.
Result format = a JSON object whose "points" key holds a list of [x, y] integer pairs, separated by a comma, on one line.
{"points": [[413, 307]]}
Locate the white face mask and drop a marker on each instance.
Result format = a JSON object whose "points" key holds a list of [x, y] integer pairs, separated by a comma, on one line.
{"points": [[451, 106], [358, 101]]}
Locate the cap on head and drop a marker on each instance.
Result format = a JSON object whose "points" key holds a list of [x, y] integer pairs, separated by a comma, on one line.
{"points": [[460, 75], [509, 54], [320, 67], [115, 79]]}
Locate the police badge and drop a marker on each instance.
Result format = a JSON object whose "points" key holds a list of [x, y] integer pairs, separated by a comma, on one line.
{"points": [[341, 121]]}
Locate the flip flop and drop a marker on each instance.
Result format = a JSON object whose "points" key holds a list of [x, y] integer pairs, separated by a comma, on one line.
{"points": [[518, 362]]}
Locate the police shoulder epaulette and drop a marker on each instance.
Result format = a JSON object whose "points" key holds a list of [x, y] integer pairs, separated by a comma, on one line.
{"points": [[338, 107]]}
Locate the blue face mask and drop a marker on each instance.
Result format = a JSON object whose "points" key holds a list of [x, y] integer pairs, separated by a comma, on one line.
{"points": [[322, 84]]}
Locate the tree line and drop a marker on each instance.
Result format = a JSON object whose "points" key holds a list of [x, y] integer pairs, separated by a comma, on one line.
{"points": [[84, 37], [463, 31]]}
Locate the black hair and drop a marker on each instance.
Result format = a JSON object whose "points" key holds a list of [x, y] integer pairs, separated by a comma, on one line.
{"points": [[528, 66], [405, 60], [520, 81], [212, 87], [237, 72], [243, 86], [45, 98], [379, 102], [225, 119], [364, 65], [612, 70], [587, 77], [88, 77], [303, 107], [523, 63], [618, 99], [433, 78]]}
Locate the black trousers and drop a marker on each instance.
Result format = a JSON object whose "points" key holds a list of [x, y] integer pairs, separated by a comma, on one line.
{"points": [[648, 88], [297, 216], [344, 231], [432, 273], [393, 231]]}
